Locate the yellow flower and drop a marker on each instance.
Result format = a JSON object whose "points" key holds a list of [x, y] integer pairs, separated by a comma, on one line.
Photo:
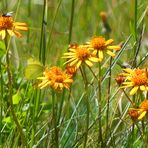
{"points": [[7, 25], [137, 79], [140, 112], [100, 45], [78, 55], [55, 78]]}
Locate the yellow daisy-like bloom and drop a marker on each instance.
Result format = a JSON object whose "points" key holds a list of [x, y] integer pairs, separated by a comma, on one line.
{"points": [[7, 25], [78, 55], [136, 78], [55, 78], [100, 45], [139, 113]]}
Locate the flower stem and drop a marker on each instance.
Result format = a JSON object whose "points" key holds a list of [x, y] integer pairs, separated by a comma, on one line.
{"points": [[100, 139], [1, 100], [54, 116], [23, 140], [87, 103], [108, 98]]}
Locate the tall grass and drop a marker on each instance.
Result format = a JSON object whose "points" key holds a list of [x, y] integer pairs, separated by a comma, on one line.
{"points": [[93, 112]]}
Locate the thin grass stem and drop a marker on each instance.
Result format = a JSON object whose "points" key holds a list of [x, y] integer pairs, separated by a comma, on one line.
{"points": [[42, 52], [71, 21]]}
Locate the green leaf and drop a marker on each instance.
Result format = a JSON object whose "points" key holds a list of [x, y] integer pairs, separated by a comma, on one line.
{"points": [[33, 69], [2, 45], [2, 48], [6, 120], [16, 98]]}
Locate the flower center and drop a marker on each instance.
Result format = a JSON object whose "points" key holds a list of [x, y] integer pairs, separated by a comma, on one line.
{"points": [[82, 53], [140, 77], [59, 79], [6, 22], [98, 43]]}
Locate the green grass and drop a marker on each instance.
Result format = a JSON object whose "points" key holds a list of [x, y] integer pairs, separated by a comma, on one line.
{"points": [[91, 113]]}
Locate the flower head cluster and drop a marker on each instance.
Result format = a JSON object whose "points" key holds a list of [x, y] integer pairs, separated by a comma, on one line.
{"points": [[55, 78], [99, 45], [135, 78], [7, 25], [90, 52], [139, 112], [78, 55]]}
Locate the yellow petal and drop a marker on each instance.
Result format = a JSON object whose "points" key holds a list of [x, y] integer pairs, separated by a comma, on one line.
{"points": [[110, 53], [142, 115], [17, 34], [10, 32], [93, 59], [128, 70], [100, 54], [73, 62], [142, 88], [70, 60], [21, 28], [94, 52], [134, 90], [88, 63], [78, 64], [117, 47], [68, 81], [71, 49], [69, 53], [128, 83], [108, 42], [19, 24], [3, 34], [41, 78]]}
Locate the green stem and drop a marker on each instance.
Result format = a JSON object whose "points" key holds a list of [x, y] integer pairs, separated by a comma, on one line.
{"points": [[1, 102], [61, 106], [71, 20], [23, 140], [42, 53], [36, 101], [135, 20], [54, 116], [100, 139], [87, 103], [29, 14], [108, 98], [50, 34]]}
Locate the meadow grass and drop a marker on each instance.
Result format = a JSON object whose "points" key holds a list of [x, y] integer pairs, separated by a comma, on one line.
{"points": [[93, 110]]}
